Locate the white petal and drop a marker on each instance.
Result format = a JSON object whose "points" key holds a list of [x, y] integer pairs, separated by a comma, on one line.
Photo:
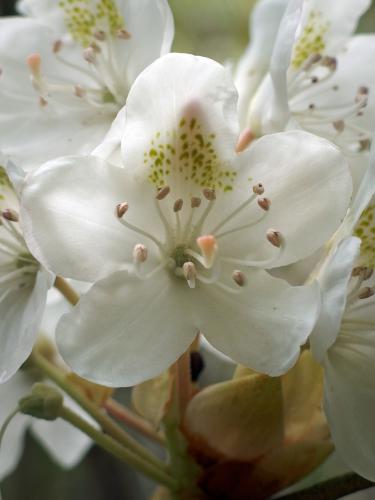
{"points": [[125, 330], [12, 443], [69, 217], [334, 280], [65, 444], [349, 400], [20, 317], [181, 103], [263, 327], [110, 148], [279, 65], [309, 185], [334, 21], [151, 27], [263, 27]]}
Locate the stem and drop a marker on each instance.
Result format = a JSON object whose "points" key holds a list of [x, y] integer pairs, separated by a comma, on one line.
{"points": [[66, 290], [107, 424], [183, 381], [111, 446], [7, 422], [332, 489], [132, 420]]}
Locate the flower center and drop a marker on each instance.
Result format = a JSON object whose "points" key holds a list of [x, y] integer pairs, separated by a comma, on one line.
{"points": [[188, 249], [98, 81], [338, 122]]}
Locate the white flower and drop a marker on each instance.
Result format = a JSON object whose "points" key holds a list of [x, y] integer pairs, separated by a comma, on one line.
{"points": [[82, 58], [344, 342], [23, 285], [65, 444], [185, 249], [320, 79]]}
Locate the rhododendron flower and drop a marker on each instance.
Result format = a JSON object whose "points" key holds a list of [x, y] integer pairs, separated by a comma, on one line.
{"points": [[23, 285], [82, 58], [179, 237], [320, 77]]}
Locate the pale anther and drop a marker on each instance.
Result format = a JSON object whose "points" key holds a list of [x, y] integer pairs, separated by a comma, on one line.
{"points": [[258, 188], [123, 34], [245, 138], [195, 202], [10, 214], [310, 61], [264, 203], [367, 273], [339, 125], [79, 91], [140, 253], [357, 271], [190, 273], [162, 193], [274, 237], [366, 292], [89, 55], [42, 102], [209, 194], [178, 204], [239, 278], [329, 62], [57, 46], [121, 209], [100, 35]]}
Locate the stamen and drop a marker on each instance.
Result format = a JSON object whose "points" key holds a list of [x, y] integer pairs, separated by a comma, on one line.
{"points": [[195, 202], [123, 34], [10, 215], [209, 194], [234, 213], [178, 204], [57, 46], [245, 138], [208, 246], [34, 63], [274, 237], [121, 209], [100, 35], [89, 55], [79, 91], [339, 125], [239, 278], [366, 292], [311, 61], [264, 203], [190, 273], [140, 253], [162, 193], [258, 188], [329, 62]]}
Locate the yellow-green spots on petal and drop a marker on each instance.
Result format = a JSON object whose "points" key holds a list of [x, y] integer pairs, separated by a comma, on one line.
{"points": [[311, 40], [188, 154], [85, 18], [365, 230]]}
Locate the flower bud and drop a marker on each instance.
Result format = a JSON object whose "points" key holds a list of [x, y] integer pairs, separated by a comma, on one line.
{"points": [[44, 402]]}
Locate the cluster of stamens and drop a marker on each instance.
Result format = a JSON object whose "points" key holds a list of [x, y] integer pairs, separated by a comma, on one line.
{"points": [[358, 290], [17, 266], [335, 121], [190, 252], [107, 90]]}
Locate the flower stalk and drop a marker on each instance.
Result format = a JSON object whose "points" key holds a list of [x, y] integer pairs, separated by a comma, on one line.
{"points": [[107, 424], [126, 455]]}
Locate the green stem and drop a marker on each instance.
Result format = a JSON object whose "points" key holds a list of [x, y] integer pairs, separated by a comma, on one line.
{"points": [[107, 424], [332, 489], [111, 446], [7, 422]]}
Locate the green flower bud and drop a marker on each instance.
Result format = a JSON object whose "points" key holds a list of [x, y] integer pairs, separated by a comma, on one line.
{"points": [[44, 402]]}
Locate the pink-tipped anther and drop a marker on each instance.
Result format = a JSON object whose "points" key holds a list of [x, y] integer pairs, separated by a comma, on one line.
{"points": [[208, 246], [245, 138], [34, 62]]}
